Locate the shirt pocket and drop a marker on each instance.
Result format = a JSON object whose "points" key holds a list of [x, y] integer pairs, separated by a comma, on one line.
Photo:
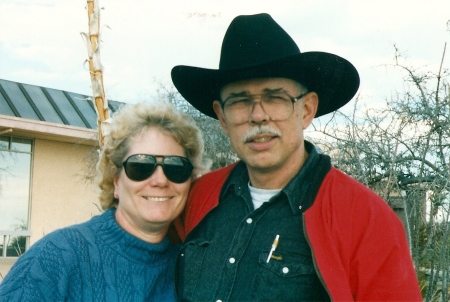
{"points": [[187, 276], [287, 265], [286, 277]]}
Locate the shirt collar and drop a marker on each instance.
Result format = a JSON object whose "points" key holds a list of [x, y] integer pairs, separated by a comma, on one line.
{"points": [[301, 190]]}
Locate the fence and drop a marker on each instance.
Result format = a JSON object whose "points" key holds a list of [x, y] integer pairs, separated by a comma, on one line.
{"points": [[14, 243]]}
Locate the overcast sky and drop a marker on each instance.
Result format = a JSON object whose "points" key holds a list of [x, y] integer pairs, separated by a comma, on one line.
{"points": [[40, 41]]}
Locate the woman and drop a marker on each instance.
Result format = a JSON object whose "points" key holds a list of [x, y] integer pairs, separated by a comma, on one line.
{"points": [[145, 170]]}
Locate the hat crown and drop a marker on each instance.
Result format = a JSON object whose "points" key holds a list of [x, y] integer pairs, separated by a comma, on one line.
{"points": [[255, 40], [257, 47]]}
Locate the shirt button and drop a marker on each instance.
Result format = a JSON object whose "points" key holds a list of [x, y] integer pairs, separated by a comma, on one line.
{"points": [[300, 207], [285, 270], [249, 220], [219, 300], [232, 260], [182, 255]]}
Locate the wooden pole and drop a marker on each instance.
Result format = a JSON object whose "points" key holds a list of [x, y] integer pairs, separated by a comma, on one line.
{"points": [[95, 68]]}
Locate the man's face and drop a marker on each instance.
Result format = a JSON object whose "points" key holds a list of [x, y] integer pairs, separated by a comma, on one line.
{"points": [[263, 144]]}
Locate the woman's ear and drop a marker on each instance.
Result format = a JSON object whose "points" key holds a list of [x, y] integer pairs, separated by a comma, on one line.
{"points": [[115, 182]]}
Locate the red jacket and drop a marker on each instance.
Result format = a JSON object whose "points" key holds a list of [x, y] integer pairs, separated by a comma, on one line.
{"points": [[359, 245]]}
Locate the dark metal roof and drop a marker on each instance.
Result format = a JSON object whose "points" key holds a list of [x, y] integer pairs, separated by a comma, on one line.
{"points": [[49, 105]]}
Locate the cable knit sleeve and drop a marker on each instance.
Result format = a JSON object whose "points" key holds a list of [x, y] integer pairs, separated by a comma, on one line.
{"points": [[40, 274]]}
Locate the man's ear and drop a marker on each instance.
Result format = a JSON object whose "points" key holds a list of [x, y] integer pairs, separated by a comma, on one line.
{"points": [[310, 104], [219, 112]]}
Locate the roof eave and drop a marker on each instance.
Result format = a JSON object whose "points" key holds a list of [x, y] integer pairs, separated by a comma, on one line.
{"points": [[44, 130]]}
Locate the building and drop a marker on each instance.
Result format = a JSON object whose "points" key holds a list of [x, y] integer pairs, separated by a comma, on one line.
{"points": [[48, 144]]}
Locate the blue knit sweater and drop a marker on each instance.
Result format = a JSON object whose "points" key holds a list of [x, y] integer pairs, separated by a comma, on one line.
{"points": [[93, 261]]}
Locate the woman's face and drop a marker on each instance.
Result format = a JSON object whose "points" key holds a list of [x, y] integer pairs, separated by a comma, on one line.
{"points": [[147, 207]]}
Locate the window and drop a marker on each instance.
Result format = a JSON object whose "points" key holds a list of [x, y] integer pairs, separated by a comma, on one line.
{"points": [[15, 181]]}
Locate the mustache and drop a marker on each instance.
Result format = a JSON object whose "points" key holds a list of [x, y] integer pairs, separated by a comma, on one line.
{"points": [[259, 130]]}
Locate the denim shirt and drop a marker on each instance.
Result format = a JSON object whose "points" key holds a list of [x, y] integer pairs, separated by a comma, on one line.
{"points": [[224, 258]]}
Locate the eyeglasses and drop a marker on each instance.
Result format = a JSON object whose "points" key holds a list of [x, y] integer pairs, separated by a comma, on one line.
{"points": [[139, 167], [278, 106]]}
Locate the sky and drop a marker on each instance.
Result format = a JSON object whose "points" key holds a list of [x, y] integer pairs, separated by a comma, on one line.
{"points": [[41, 44]]}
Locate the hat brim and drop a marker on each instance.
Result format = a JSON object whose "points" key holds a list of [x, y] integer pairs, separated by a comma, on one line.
{"points": [[334, 79]]}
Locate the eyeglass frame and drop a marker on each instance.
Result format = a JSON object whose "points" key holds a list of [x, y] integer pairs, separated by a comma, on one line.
{"points": [[252, 96], [161, 163]]}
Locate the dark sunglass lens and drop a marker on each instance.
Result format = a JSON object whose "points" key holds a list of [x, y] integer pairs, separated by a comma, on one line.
{"points": [[177, 169], [139, 167]]}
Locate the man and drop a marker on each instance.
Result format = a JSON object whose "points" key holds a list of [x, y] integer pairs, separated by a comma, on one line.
{"points": [[282, 224]]}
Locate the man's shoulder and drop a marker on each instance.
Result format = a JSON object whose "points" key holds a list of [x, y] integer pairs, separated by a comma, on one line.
{"points": [[204, 196], [213, 180], [349, 192], [344, 201], [218, 173], [340, 178]]}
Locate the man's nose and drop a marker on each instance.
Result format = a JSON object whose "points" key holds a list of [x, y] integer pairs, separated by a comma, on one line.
{"points": [[258, 115]]}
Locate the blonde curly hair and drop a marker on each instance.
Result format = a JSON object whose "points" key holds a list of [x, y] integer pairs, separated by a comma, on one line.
{"points": [[129, 122]]}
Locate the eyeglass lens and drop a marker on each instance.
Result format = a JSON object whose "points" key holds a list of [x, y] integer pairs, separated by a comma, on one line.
{"points": [[139, 167], [278, 106]]}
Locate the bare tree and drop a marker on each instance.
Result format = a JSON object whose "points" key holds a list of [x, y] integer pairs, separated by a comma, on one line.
{"points": [[402, 151]]}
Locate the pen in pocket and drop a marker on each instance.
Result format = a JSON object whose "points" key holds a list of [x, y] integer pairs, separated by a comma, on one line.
{"points": [[274, 246]]}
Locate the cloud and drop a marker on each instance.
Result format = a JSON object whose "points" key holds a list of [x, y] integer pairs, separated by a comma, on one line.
{"points": [[142, 40]]}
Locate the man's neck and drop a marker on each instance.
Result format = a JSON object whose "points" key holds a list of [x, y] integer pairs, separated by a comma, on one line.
{"points": [[277, 177]]}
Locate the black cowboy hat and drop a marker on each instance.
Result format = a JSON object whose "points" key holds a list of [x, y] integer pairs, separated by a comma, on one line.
{"points": [[257, 47]]}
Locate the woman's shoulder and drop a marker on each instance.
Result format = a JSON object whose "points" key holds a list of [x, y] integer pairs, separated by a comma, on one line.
{"points": [[48, 264], [69, 237], [44, 268]]}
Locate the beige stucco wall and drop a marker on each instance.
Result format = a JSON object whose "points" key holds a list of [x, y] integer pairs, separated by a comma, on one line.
{"points": [[61, 195]]}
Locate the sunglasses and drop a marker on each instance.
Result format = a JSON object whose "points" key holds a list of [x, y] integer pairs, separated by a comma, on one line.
{"points": [[139, 167]]}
